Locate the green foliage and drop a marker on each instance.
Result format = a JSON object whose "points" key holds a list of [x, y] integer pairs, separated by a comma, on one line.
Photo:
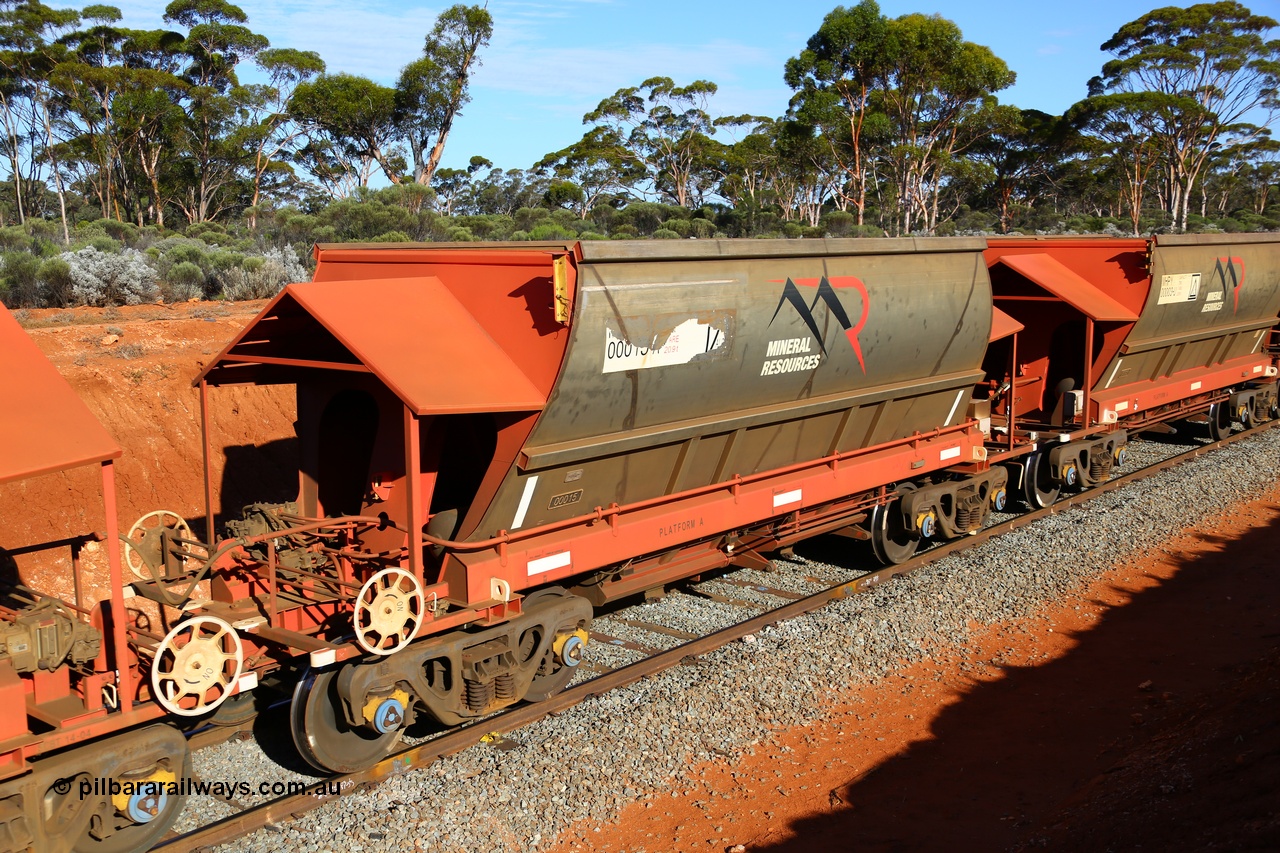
{"points": [[839, 223], [354, 220], [153, 140], [14, 237], [1188, 79], [551, 231], [185, 280], [20, 280], [664, 234], [433, 89], [701, 229], [55, 283], [355, 114], [122, 232], [644, 216], [660, 126]]}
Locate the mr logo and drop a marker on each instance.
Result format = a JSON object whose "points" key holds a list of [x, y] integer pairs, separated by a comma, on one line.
{"points": [[826, 293], [1224, 274]]}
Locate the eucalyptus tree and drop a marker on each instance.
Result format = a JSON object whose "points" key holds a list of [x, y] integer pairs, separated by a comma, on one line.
{"points": [[357, 117], [836, 78], [599, 165], [149, 118], [746, 169], [1236, 178], [432, 90], [934, 86], [666, 129], [270, 131], [1121, 143], [1019, 148], [216, 42], [451, 184], [88, 80], [1191, 79], [29, 52]]}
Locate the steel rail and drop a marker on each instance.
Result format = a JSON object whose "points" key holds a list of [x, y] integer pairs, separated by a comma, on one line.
{"points": [[417, 757]]}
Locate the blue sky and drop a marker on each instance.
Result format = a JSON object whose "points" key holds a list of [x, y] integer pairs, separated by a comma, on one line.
{"points": [[551, 61]]}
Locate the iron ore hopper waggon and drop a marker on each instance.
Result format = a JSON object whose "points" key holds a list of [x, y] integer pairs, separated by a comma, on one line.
{"points": [[1124, 335], [494, 439]]}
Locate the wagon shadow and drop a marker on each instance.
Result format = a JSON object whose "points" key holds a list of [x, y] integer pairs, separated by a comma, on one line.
{"points": [[1001, 765], [253, 473]]}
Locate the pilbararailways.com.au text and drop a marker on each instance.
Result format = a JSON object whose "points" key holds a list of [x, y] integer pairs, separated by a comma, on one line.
{"points": [[189, 787]]}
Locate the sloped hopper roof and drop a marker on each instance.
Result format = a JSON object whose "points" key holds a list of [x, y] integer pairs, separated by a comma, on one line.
{"points": [[44, 425], [409, 332], [1002, 325], [1071, 288]]}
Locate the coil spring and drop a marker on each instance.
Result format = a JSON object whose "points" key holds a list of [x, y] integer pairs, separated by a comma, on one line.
{"points": [[965, 517], [1261, 409], [1099, 467], [479, 694], [504, 686]]}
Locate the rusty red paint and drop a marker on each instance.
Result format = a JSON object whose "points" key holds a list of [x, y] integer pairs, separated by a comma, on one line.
{"points": [[46, 427]]}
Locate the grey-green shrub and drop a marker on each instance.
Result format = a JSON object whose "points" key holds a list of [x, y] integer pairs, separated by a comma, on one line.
{"points": [[99, 278]]}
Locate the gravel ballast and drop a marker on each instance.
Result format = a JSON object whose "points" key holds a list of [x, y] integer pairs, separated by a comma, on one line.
{"points": [[592, 760]]}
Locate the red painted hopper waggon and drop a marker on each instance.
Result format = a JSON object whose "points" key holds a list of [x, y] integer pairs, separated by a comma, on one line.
{"points": [[497, 438]]}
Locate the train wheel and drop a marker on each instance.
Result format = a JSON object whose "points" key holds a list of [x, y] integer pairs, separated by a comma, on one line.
{"points": [[321, 732], [1038, 489], [141, 819], [892, 543], [554, 674], [1219, 421]]}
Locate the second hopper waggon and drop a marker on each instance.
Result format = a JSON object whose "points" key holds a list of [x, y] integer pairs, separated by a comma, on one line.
{"points": [[1126, 335], [494, 438]]}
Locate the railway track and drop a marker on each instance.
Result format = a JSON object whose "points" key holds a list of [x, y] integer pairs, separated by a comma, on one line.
{"points": [[687, 647]]}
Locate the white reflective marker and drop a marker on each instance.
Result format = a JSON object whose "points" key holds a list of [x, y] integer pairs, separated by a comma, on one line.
{"points": [[792, 497], [951, 414], [546, 564], [525, 498]]}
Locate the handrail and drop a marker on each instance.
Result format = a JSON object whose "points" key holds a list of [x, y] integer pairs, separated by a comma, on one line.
{"points": [[601, 513]]}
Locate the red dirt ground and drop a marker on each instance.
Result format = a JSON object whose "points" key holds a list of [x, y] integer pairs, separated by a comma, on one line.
{"points": [[1141, 715]]}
